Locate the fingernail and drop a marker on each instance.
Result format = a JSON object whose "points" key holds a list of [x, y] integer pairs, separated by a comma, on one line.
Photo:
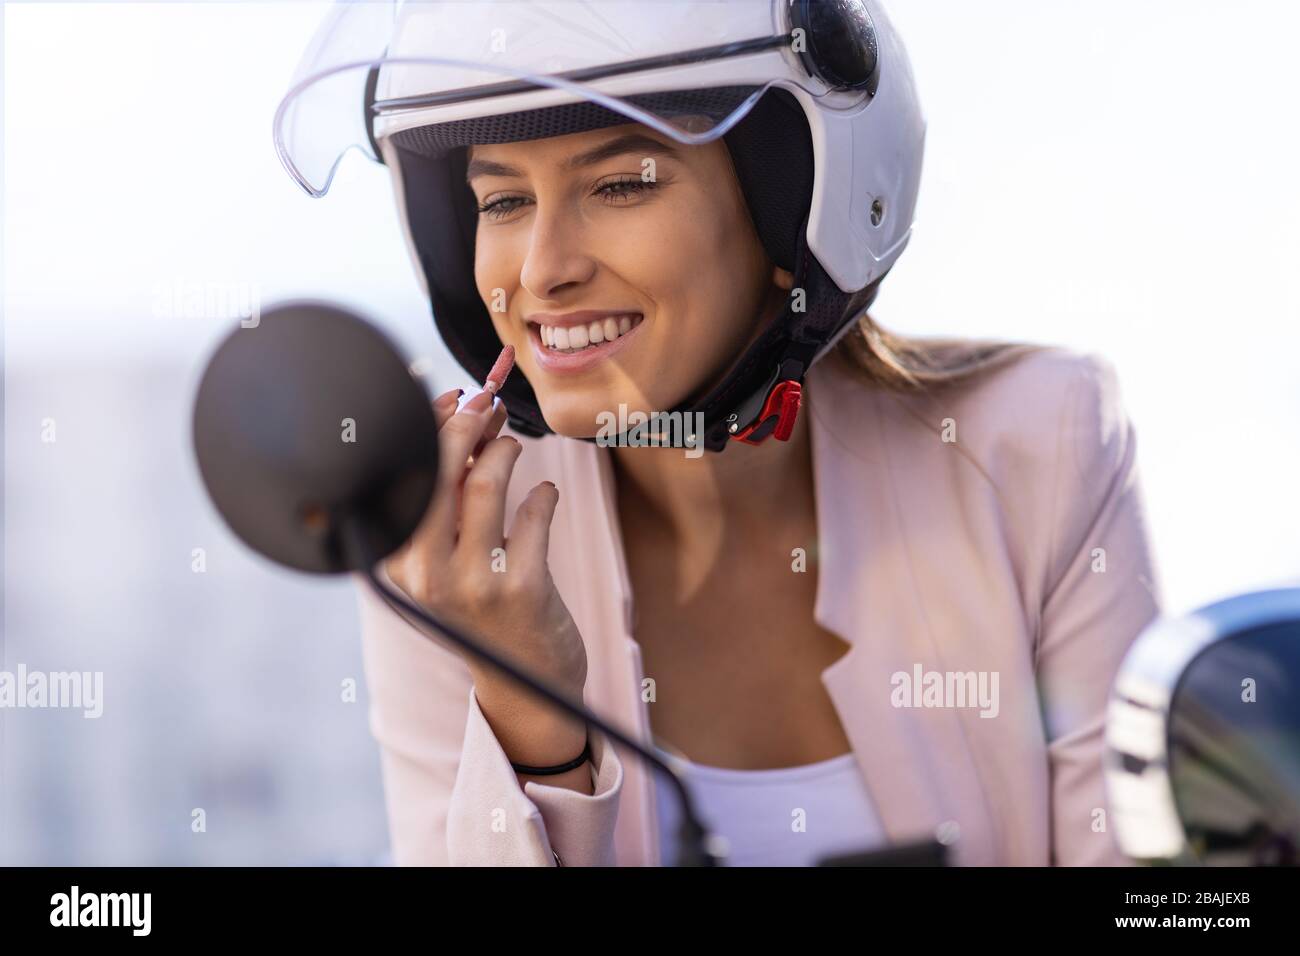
{"points": [[480, 402]]}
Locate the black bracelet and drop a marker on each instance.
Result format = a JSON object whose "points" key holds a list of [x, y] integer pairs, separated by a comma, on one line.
{"points": [[558, 768]]}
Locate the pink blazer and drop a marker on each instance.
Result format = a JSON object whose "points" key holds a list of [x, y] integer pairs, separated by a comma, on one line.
{"points": [[1019, 548]]}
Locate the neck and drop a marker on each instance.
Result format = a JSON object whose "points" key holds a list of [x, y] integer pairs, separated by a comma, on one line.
{"points": [[704, 501]]}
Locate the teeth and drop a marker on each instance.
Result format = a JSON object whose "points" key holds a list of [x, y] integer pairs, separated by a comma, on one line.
{"points": [[577, 337]]}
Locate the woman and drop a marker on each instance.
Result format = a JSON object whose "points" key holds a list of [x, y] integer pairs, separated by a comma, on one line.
{"points": [[890, 611]]}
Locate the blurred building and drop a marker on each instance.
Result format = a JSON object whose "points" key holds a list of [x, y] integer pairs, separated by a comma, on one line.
{"points": [[223, 690]]}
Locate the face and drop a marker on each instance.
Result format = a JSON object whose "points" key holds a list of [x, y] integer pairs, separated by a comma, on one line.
{"points": [[623, 267]]}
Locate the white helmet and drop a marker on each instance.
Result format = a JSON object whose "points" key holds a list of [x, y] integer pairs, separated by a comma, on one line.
{"points": [[814, 99]]}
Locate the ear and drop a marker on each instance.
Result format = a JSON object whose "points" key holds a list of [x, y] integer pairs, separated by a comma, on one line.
{"points": [[783, 278]]}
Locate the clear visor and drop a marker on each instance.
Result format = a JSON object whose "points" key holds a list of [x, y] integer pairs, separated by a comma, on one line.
{"points": [[689, 69]]}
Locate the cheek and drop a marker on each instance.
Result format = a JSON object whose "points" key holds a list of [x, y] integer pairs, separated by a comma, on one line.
{"points": [[496, 277], [495, 288], [491, 266], [701, 267]]}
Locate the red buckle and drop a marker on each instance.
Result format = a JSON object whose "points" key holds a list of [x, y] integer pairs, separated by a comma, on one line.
{"points": [[783, 402]]}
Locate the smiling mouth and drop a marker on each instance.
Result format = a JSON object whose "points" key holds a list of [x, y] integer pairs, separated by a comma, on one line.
{"points": [[570, 340]]}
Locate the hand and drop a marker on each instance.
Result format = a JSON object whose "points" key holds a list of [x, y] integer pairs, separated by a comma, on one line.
{"points": [[509, 602]]}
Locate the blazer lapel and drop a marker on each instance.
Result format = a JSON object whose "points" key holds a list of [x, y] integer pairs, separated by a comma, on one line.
{"points": [[917, 762], [615, 667]]}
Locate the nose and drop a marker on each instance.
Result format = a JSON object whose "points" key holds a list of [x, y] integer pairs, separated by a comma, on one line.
{"points": [[557, 254]]}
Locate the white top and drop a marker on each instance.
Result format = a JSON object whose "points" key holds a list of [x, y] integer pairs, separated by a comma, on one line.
{"points": [[788, 816]]}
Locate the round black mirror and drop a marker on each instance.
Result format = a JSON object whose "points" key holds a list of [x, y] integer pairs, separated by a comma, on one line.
{"points": [[309, 421]]}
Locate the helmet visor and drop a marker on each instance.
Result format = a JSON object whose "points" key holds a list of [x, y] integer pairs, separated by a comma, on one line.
{"points": [[689, 69]]}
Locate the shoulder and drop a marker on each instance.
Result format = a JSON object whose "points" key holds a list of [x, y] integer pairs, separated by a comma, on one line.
{"points": [[1043, 440], [1049, 435], [1054, 413], [1047, 405], [1048, 386]]}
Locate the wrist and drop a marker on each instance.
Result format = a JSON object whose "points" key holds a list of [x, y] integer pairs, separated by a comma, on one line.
{"points": [[556, 769], [535, 746], [533, 733]]}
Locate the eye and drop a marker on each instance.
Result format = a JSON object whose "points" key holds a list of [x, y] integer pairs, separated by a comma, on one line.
{"points": [[497, 208], [621, 191], [616, 192]]}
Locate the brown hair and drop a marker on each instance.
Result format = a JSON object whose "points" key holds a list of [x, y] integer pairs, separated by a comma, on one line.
{"points": [[912, 363]]}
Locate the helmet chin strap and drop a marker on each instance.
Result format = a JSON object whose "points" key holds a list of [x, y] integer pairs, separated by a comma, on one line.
{"points": [[762, 404], [771, 406]]}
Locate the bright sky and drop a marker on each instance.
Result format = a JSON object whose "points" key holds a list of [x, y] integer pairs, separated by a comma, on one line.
{"points": [[1115, 176]]}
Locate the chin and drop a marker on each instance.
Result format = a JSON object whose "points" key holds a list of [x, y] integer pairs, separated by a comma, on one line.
{"points": [[576, 416], [572, 417]]}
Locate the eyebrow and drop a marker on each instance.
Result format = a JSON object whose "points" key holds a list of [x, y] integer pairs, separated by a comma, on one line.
{"points": [[618, 146]]}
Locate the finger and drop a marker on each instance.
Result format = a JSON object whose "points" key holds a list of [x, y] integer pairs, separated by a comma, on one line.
{"points": [[463, 432], [530, 534], [495, 424], [444, 406], [455, 439], [392, 564], [483, 501]]}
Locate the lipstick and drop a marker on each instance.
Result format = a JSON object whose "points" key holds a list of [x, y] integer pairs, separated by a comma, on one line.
{"points": [[496, 378], [500, 369]]}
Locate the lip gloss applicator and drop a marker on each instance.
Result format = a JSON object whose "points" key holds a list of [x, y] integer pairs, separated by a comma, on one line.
{"points": [[496, 378]]}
